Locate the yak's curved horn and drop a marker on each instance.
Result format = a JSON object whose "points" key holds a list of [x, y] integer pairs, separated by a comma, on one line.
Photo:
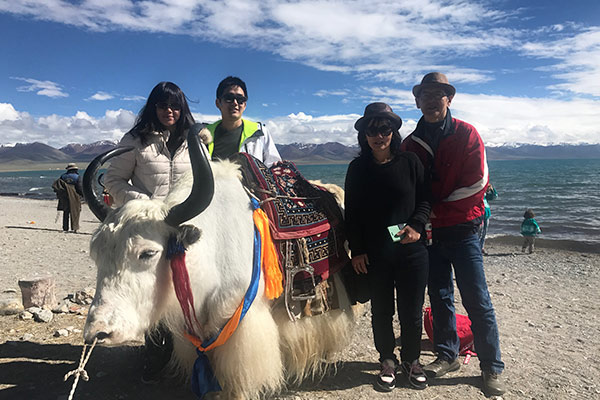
{"points": [[203, 187], [98, 207]]}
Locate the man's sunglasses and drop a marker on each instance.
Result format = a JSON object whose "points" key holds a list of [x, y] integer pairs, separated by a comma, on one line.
{"points": [[164, 105], [379, 130], [438, 94], [230, 97]]}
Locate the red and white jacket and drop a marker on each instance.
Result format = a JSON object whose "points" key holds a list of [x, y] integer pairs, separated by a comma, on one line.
{"points": [[460, 173]]}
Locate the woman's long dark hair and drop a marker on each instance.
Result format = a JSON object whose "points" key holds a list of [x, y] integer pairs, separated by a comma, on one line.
{"points": [[365, 149], [147, 121]]}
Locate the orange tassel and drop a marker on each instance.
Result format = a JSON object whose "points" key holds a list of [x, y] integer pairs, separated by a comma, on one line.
{"points": [[269, 259]]}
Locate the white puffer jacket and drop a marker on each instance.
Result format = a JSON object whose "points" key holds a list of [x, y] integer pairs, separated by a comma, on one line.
{"points": [[148, 170]]}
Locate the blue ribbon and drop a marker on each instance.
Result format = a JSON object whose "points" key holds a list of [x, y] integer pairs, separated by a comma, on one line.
{"points": [[174, 247], [203, 377]]}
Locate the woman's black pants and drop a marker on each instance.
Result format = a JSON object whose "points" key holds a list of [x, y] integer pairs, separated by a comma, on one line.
{"points": [[401, 269]]}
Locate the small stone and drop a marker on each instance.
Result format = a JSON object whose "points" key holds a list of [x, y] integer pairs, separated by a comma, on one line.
{"points": [[10, 306], [84, 297], [74, 309], [27, 337], [33, 310], [26, 316], [62, 307], [61, 332], [43, 316]]}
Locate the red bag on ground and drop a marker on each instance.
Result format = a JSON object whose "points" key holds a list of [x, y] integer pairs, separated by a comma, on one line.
{"points": [[463, 328]]}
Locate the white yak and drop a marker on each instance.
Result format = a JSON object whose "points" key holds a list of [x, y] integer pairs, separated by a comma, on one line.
{"points": [[135, 290]]}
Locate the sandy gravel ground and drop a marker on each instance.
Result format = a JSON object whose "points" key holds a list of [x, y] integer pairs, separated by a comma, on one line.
{"points": [[546, 303]]}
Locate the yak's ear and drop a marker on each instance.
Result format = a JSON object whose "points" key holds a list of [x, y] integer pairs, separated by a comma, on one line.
{"points": [[188, 234]]}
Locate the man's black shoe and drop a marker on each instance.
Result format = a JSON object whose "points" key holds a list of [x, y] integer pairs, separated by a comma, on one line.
{"points": [[441, 367], [492, 384]]}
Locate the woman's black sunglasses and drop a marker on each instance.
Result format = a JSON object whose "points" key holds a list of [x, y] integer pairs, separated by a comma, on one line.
{"points": [[164, 105], [376, 130]]}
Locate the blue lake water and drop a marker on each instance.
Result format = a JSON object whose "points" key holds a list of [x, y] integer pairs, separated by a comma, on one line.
{"points": [[565, 194]]}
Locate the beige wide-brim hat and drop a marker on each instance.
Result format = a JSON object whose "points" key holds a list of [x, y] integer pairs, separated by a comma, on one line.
{"points": [[378, 110], [71, 166], [434, 79]]}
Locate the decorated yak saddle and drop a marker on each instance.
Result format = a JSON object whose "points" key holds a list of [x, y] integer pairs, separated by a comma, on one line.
{"points": [[306, 226]]}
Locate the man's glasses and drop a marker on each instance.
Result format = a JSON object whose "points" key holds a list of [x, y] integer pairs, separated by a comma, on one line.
{"points": [[379, 130], [438, 94], [173, 106], [230, 97]]}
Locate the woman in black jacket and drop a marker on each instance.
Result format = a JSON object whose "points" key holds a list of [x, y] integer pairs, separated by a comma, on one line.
{"points": [[387, 208]]}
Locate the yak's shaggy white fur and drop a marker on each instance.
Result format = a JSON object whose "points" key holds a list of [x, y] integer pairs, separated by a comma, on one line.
{"points": [[135, 291]]}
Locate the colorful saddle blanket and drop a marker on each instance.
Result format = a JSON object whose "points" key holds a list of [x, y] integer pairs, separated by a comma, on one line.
{"points": [[299, 212]]}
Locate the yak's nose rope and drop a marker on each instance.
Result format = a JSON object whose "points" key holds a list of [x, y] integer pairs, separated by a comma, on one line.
{"points": [[80, 371]]}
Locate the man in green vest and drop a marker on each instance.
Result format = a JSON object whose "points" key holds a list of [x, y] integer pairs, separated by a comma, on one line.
{"points": [[234, 134]]}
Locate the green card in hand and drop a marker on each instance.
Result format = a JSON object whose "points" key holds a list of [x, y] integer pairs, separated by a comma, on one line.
{"points": [[394, 229]]}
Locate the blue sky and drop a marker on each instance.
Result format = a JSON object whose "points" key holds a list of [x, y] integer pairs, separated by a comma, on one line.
{"points": [[79, 71]]}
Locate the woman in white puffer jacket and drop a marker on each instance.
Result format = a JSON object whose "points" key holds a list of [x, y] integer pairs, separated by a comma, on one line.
{"points": [[160, 154], [159, 158]]}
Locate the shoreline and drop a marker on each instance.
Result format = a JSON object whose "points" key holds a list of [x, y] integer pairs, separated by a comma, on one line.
{"points": [[555, 244]]}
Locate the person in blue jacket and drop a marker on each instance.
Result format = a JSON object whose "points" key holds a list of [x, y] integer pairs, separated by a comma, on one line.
{"points": [[490, 194], [529, 229]]}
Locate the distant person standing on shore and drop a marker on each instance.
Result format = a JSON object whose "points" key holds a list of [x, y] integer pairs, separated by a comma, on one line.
{"points": [[529, 229], [454, 157], [490, 194], [68, 191]]}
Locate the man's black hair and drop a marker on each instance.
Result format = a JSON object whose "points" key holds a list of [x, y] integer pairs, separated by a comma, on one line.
{"points": [[231, 81]]}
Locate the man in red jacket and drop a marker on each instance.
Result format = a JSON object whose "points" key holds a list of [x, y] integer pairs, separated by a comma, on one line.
{"points": [[454, 154]]}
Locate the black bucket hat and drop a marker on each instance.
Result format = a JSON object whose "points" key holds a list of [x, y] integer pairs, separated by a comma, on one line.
{"points": [[434, 79], [378, 110]]}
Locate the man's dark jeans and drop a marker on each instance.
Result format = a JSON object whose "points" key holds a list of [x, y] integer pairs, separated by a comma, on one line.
{"points": [[465, 256]]}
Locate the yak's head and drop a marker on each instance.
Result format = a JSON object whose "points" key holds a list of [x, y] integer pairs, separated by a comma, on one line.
{"points": [[130, 251]]}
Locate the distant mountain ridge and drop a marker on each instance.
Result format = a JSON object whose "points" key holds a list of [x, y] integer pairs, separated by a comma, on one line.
{"points": [[302, 153], [87, 152], [533, 151], [42, 153]]}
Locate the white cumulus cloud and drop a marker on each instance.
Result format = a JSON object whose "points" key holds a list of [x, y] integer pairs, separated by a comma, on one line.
{"points": [[8, 112], [41, 88], [57, 130], [101, 96]]}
